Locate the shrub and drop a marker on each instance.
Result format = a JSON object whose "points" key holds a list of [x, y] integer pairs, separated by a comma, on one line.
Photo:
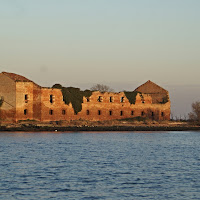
{"points": [[131, 96], [74, 96], [165, 99]]}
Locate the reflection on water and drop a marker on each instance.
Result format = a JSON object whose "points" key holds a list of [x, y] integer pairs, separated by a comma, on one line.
{"points": [[110, 165]]}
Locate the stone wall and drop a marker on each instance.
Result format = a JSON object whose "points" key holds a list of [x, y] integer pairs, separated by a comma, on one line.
{"points": [[24, 100], [110, 106], [8, 93], [37, 102]]}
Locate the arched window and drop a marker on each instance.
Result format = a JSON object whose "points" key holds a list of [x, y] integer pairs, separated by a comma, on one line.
{"points": [[132, 112], [110, 112]]}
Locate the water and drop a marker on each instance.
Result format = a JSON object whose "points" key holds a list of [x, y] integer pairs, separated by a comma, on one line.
{"points": [[109, 165]]}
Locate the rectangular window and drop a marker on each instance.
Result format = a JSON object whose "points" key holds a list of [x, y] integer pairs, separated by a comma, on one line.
{"points": [[122, 99], [51, 98], [51, 112], [87, 112], [162, 114], [25, 111], [26, 98], [121, 113], [111, 99], [99, 112], [63, 112], [110, 112], [132, 112], [142, 113], [88, 99]]}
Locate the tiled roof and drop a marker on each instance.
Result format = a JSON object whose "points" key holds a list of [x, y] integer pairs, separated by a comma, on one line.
{"points": [[18, 78], [152, 83]]}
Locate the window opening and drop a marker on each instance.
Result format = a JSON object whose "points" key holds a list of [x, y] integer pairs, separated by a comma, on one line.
{"points": [[99, 112], [132, 112], [121, 112], [25, 112], [51, 112], [99, 99], [87, 112], [152, 114], [162, 114], [51, 98], [110, 112], [111, 99], [142, 113], [26, 97], [87, 99], [63, 112], [122, 99]]}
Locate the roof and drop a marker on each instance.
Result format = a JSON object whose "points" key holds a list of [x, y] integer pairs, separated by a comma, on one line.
{"points": [[151, 83], [18, 78]]}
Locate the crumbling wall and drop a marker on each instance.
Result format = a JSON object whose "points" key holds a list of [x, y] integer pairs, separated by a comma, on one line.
{"points": [[53, 106], [100, 106]]}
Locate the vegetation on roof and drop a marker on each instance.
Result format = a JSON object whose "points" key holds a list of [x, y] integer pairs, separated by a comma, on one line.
{"points": [[165, 99], [131, 96], [74, 96]]}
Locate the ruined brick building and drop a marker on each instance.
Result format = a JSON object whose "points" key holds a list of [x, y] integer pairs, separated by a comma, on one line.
{"points": [[23, 99]]}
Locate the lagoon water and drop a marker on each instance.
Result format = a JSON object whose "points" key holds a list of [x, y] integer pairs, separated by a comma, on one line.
{"points": [[107, 165]]}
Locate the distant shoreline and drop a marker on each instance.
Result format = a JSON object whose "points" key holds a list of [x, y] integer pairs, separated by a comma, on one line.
{"points": [[97, 128]]}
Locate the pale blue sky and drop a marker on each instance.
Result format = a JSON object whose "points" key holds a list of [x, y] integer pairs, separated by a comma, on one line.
{"points": [[122, 43]]}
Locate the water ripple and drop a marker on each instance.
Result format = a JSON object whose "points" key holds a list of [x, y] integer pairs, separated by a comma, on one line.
{"points": [[141, 166]]}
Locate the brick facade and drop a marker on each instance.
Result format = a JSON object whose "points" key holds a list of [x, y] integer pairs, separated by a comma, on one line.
{"points": [[24, 99]]}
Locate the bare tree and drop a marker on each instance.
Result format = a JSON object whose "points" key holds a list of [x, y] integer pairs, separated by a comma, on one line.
{"points": [[101, 88], [195, 114]]}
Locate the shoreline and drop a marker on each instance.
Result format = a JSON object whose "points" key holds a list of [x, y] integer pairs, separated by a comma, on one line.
{"points": [[97, 128]]}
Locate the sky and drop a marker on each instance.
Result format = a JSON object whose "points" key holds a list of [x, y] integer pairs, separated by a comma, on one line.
{"points": [[121, 43]]}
